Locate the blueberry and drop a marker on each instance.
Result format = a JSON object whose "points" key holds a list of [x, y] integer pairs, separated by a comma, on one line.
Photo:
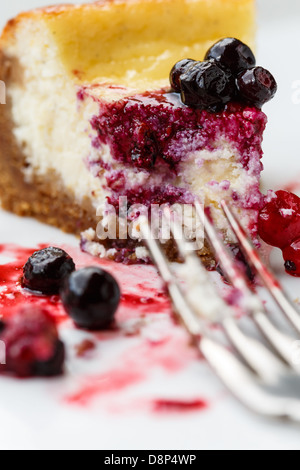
{"points": [[232, 54], [256, 86], [46, 270], [207, 86], [33, 347], [179, 69], [91, 297]]}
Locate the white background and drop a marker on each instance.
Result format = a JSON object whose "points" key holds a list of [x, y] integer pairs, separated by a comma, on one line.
{"points": [[31, 418]]}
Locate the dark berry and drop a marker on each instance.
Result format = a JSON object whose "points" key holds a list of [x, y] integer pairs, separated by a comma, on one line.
{"points": [[2, 326], [206, 86], [279, 220], [232, 54], [46, 270], [91, 297], [179, 69], [256, 86], [32, 344], [290, 267], [291, 255]]}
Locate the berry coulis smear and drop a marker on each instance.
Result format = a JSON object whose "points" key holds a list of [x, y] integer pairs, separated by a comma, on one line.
{"points": [[138, 296], [181, 406], [142, 299], [12, 293]]}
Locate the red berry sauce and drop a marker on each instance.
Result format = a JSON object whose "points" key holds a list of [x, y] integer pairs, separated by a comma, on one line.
{"points": [[142, 291], [12, 295], [143, 297], [145, 129]]}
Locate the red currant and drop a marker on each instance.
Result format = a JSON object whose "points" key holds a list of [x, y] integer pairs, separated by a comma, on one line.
{"points": [[33, 348], [279, 220], [291, 256]]}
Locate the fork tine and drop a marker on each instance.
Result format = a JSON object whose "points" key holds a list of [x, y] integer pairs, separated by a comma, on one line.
{"points": [[199, 285], [245, 386], [182, 308], [280, 342], [258, 357], [268, 397], [230, 269], [271, 283], [221, 251]]}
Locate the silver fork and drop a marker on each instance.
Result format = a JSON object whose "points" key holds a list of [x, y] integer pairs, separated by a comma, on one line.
{"points": [[265, 380]]}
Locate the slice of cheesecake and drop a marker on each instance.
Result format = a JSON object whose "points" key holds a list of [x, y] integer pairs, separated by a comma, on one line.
{"points": [[90, 118]]}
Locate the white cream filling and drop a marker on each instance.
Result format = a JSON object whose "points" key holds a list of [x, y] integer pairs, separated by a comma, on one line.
{"points": [[221, 172]]}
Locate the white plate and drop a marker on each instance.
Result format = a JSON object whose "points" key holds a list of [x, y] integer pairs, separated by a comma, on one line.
{"points": [[33, 413]]}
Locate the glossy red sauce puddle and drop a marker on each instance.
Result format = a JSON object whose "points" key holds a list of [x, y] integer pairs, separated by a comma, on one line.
{"points": [[142, 292], [179, 406], [143, 295], [12, 294]]}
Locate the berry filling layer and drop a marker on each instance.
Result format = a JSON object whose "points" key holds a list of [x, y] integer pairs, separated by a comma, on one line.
{"points": [[200, 139], [152, 149]]}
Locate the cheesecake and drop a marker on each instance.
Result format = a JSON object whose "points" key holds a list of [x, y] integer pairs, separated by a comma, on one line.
{"points": [[91, 119]]}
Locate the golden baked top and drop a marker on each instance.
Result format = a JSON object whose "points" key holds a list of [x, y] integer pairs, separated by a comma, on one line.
{"points": [[123, 40]]}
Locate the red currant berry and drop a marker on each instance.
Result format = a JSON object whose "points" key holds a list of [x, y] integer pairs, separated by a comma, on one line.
{"points": [[291, 256], [279, 220], [33, 348]]}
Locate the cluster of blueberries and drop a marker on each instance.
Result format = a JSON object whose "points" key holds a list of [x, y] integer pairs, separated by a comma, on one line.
{"points": [[90, 296], [228, 73]]}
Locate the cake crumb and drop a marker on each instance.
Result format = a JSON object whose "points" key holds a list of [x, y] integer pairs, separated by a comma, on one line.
{"points": [[142, 253], [85, 347]]}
